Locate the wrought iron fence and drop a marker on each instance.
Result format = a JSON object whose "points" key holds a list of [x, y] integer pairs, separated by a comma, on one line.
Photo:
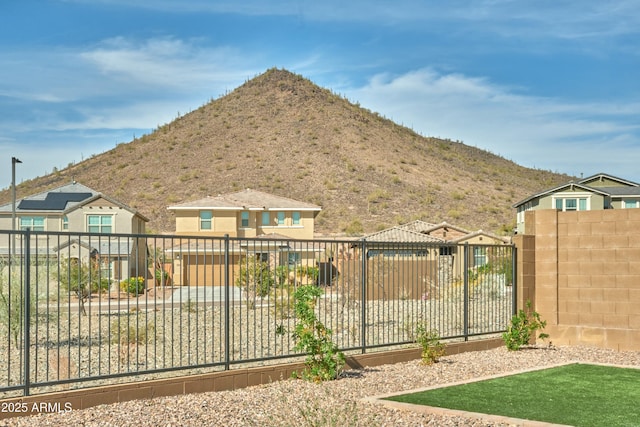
{"points": [[78, 309]]}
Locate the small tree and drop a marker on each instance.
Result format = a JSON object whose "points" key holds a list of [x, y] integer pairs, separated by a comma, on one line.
{"points": [[82, 279], [255, 278]]}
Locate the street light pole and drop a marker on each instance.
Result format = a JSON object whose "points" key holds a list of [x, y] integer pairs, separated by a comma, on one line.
{"points": [[14, 160]]}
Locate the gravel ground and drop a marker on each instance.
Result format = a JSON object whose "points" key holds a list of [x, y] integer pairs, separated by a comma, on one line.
{"points": [[335, 403]]}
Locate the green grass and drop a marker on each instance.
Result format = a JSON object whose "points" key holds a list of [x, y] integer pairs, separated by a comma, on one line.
{"points": [[578, 395]]}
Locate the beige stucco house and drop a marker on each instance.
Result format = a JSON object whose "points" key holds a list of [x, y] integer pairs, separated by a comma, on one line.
{"points": [[76, 208], [275, 229], [597, 192]]}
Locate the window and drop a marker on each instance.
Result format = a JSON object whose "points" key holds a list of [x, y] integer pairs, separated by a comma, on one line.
{"points": [[568, 204], [295, 218], [206, 220], [244, 219], [65, 223], [99, 224], [446, 250], [280, 218], [35, 223], [479, 256], [294, 258], [631, 203], [266, 218]]}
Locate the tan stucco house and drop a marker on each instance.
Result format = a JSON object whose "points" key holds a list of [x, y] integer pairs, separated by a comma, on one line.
{"points": [[275, 228], [76, 208], [597, 192], [442, 233]]}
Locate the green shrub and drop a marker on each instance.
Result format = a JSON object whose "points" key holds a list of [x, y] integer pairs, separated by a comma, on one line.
{"points": [[162, 277], [131, 329], [134, 285], [12, 303], [324, 361], [522, 326], [354, 229], [429, 340]]}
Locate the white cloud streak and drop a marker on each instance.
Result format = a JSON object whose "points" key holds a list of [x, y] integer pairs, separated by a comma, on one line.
{"points": [[562, 19]]}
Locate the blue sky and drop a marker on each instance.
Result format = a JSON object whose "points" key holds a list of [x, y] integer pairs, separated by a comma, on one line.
{"points": [[548, 84]]}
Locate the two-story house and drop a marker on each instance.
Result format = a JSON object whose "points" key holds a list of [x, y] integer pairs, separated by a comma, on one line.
{"points": [[76, 208], [273, 226], [596, 192], [246, 213]]}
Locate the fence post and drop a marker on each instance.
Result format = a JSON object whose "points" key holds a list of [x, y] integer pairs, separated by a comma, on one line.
{"points": [[514, 280], [466, 292], [363, 294], [27, 311], [227, 329]]}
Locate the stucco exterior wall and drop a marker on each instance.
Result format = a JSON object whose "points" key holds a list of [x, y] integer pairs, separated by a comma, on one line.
{"points": [[229, 222], [581, 270]]}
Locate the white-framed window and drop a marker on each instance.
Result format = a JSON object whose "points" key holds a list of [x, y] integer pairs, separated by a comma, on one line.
{"points": [[206, 220], [65, 222], [35, 223], [295, 218], [244, 219], [630, 203], [266, 218], [100, 224], [571, 203], [281, 217]]}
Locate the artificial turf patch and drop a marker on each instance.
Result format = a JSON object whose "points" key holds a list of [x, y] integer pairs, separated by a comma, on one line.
{"points": [[579, 395]]}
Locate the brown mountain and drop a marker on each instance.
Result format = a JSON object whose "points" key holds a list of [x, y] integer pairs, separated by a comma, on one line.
{"points": [[282, 134]]}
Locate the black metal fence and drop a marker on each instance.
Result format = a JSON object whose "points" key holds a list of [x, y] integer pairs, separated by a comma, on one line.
{"points": [[80, 309]]}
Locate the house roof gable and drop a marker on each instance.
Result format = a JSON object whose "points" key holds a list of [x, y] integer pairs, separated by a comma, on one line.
{"points": [[603, 176], [572, 185], [247, 200], [445, 224], [480, 233]]}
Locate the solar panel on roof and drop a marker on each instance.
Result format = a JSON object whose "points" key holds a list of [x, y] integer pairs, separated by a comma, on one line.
{"points": [[53, 201]]}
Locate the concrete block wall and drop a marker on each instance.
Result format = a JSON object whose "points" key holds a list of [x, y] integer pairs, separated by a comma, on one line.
{"points": [[586, 282]]}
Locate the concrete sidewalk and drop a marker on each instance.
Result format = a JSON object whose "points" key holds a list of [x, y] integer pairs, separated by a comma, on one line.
{"points": [[198, 294]]}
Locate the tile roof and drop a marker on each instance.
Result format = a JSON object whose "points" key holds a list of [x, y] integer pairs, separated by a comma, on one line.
{"points": [[399, 234], [417, 226]]}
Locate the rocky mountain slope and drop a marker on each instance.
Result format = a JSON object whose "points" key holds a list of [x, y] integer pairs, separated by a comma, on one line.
{"points": [[282, 134]]}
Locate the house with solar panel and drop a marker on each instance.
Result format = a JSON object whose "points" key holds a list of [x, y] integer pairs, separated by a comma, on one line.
{"points": [[86, 225]]}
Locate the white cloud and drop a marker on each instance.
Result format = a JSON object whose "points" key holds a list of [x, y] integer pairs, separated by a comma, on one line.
{"points": [[533, 131], [170, 63]]}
